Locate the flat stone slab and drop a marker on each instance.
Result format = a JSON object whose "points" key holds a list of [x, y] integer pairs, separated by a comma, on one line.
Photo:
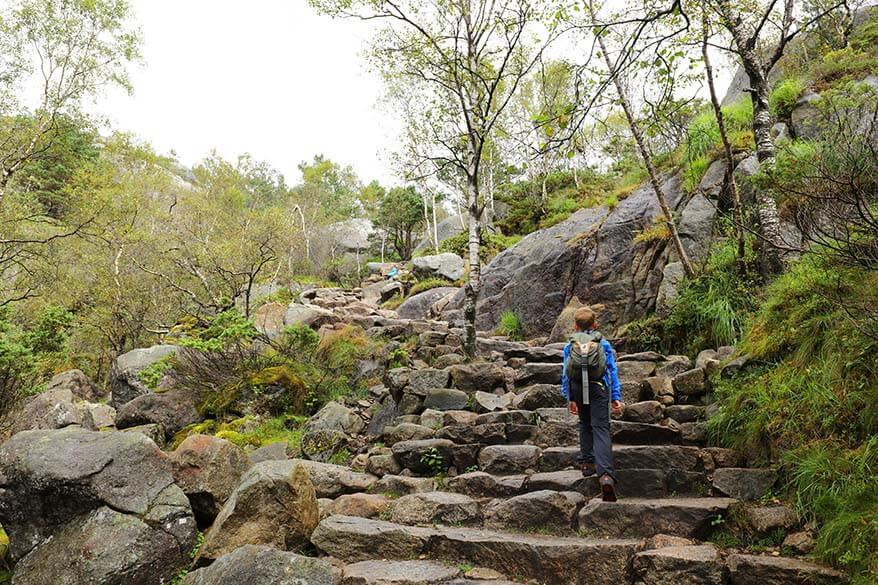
{"points": [[676, 457], [509, 458], [680, 565], [573, 561], [398, 573], [481, 484], [759, 570], [686, 517]]}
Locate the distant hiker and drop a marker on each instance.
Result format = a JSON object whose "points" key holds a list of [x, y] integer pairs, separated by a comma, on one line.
{"points": [[394, 272], [589, 360]]}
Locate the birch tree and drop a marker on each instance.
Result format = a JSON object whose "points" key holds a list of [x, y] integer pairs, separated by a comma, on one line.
{"points": [[463, 61]]}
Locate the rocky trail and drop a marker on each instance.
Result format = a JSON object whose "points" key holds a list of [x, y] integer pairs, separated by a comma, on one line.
{"points": [[460, 473]]}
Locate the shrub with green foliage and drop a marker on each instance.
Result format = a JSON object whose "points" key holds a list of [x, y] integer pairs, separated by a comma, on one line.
{"points": [[30, 353], [711, 310], [703, 142], [853, 62], [492, 244], [229, 359], [784, 96], [813, 405]]}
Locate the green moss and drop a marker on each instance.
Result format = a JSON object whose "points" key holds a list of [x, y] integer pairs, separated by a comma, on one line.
{"points": [[152, 375], [427, 284]]}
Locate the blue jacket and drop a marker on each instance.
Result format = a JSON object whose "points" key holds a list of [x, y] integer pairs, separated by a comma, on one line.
{"points": [[611, 377]]}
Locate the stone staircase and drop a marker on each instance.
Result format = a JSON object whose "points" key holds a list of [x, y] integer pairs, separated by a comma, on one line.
{"points": [[465, 486]]}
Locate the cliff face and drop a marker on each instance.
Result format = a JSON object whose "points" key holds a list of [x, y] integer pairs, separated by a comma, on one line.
{"points": [[592, 256]]}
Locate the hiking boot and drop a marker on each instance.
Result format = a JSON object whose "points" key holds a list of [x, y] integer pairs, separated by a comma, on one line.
{"points": [[588, 469], [608, 488]]}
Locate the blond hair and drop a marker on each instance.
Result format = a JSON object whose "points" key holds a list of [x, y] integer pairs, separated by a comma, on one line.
{"points": [[584, 319]]}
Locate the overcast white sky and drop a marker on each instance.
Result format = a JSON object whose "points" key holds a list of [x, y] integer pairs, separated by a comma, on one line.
{"points": [[268, 77]]}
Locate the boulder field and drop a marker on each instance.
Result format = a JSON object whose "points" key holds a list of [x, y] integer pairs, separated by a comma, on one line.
{"points": [[458, 473]]}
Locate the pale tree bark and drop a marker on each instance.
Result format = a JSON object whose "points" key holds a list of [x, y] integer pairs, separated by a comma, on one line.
{"points": [[435, 230], [727, 146], [757, 64], [473, 284], [637, 132]]}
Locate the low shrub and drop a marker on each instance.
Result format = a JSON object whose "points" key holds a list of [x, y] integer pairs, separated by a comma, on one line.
{"points": [[510, 326], [784, 96]]}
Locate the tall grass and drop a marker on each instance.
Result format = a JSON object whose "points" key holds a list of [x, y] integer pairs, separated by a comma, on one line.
{"points": [[711, 310], [703, 142], [813, 406], [510, 326]]}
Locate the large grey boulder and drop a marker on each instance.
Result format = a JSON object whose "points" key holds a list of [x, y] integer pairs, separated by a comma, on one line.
{"points": [[208, 470], [446, 265], [275, 504], [589, 255], [78, 383], [310, 315], [447, 228], [351, 235], [269, 319], [104, 546], [696, 227], [672, 275], [336, 417], [92, 507], [419, 306], [124, 382], [254, 565], [52, 409], [173, 410]]}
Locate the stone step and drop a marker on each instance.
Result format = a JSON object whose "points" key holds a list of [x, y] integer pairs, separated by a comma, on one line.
{"points": [[677, 457], [680, 465], [686, 517], [764, 570], [574, 561]]}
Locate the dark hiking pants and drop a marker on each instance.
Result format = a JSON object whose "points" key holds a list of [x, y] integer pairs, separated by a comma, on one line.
{"points": [[595, 445]]}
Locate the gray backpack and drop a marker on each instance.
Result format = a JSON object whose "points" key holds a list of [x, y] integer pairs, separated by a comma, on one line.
{"points": [[586, 358]]}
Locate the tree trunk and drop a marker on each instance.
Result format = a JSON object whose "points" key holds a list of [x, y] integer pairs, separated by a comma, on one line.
{"points": [[757, 73], [435, 224], [647, 157], [473, 283], [727, 148]]}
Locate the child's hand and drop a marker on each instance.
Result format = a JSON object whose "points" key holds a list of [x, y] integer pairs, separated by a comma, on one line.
{"points": [[573, 408], [617, 407]]}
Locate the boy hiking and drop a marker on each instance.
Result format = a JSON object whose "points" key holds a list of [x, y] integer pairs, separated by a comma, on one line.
{"points": [[589, 382]]}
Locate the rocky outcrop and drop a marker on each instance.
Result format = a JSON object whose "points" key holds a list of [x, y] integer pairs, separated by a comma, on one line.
{"points": [[591, 256], [445, 265], [173, 410], [419, 306], [124, 382], [92, 507]]}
